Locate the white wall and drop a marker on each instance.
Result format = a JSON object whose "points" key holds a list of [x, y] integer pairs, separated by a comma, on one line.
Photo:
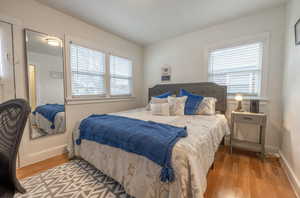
{"points": [[33, 15], [290, 147], [186, 56]]}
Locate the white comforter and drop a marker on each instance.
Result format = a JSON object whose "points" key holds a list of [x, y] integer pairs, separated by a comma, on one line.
{"points": [[191, 158]]}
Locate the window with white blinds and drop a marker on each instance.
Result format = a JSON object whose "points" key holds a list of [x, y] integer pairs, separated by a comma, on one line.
{"points": [[120, 76], [88, 71], [239, 68]]}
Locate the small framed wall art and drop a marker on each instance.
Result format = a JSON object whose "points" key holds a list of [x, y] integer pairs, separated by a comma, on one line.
{"points": [[166, 74]]}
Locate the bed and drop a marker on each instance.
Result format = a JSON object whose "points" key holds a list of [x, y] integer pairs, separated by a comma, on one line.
{"points": [[192, 156], [47, 127]]}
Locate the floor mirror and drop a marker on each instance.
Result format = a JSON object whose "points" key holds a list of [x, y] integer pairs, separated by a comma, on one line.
{"points": [[45, 82]]}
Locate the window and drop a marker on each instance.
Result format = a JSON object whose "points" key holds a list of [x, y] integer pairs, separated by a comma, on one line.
{"points": [[93, 75], [88, 71], [120, 76], [239, 68]]}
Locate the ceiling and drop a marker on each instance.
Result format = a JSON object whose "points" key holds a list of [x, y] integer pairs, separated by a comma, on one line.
{"points": [[148, 21]]}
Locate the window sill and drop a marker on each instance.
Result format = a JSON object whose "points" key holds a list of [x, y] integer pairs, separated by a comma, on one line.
{"points": [[77, 101]]}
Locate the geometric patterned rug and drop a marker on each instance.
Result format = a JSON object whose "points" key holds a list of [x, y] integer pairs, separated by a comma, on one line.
{"points": [[74, 179]]}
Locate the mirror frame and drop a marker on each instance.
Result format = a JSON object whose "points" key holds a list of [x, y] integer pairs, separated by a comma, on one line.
{"points": [[27, 79]]}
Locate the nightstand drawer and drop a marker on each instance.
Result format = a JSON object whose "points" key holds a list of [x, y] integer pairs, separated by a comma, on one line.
{"points": [[250, 119]]}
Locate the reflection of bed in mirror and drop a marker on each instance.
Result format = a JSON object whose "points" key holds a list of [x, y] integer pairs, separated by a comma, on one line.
{"points": [[45, 84], [48, 119]]}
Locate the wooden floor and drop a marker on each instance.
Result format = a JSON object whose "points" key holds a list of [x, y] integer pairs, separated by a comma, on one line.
{"points": [[240, 175], [244, 175], [41, 166]]}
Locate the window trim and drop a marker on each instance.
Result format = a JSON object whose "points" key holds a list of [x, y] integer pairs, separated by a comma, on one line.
{"points": [[263, 38], [85, 99]]}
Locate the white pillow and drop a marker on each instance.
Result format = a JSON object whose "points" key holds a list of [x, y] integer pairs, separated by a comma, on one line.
{"points": [[177, 105], [156, 101], [162, 109], [159, 100], [207, 106]]}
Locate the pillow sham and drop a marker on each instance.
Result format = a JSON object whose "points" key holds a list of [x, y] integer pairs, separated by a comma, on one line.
{"points": [[207, 106], [162, 109], [162, 96], [155, 100], [177, 105], [192, 103]]}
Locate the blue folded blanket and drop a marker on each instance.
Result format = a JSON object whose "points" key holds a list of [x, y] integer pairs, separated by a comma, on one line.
{"points": [[49, 111], [152, 140]]}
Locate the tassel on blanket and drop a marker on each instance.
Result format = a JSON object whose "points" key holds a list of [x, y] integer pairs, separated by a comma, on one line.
{"points": [[167, 174], [78, 141]]}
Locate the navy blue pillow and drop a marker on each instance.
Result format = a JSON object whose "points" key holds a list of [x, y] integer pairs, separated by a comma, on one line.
{"points": [[192, 103], [164, 95]]}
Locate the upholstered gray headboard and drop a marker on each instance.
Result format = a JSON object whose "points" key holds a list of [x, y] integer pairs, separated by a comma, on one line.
{"points": [[206, 89]]}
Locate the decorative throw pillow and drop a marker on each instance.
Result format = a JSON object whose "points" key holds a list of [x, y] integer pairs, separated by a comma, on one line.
{"points": [[192, 103], [162, 109], [177, 105], [207, 106]]}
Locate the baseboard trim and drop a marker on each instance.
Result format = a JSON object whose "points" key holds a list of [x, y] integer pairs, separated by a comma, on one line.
{"points": [[43, 155], [290, 174], [271, 149]]}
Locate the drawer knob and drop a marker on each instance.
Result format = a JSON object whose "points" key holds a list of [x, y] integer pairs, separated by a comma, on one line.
{"points": [[247, 118]]}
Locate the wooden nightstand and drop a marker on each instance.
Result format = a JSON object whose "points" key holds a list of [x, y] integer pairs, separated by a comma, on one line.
{"points": [[259, 119]]}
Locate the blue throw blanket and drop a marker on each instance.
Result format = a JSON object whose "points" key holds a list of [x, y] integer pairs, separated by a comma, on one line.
{"points": [[49, 111], [149, 139]]}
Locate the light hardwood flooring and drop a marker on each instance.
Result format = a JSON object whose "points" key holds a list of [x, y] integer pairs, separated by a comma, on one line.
{"points": [[240, 175], [244, 175], [41, 166]]}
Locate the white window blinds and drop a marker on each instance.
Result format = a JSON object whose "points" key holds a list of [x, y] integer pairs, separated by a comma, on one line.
{"points": [[120, 76], [239, 68], [88, 70]]}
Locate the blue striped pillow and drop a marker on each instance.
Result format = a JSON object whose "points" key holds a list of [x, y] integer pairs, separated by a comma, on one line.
{"points": [[192, 103]]}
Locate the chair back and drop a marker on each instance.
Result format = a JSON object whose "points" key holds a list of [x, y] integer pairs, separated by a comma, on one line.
{"points": [[13, 118]]}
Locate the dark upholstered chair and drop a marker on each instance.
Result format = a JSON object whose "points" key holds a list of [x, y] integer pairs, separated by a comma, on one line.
{"points": [[13, 117]]}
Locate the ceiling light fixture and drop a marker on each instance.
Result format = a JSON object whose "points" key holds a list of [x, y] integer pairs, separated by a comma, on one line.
{"points": [[53, 42]]}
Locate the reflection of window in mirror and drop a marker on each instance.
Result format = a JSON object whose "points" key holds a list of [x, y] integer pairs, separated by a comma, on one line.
{"points": [[32, 85]]}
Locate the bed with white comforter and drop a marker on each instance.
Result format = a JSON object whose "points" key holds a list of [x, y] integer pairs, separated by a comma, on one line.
{"points": [[192, 157]]}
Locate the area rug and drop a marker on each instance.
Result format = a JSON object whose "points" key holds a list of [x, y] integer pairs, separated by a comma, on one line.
{"points": [[74, 179]]}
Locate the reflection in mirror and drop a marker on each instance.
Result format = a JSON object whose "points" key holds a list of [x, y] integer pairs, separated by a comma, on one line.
{"points": [[45, 84]]}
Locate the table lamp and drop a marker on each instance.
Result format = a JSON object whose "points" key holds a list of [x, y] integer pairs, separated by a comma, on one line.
{"points": [[239, 99]]}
